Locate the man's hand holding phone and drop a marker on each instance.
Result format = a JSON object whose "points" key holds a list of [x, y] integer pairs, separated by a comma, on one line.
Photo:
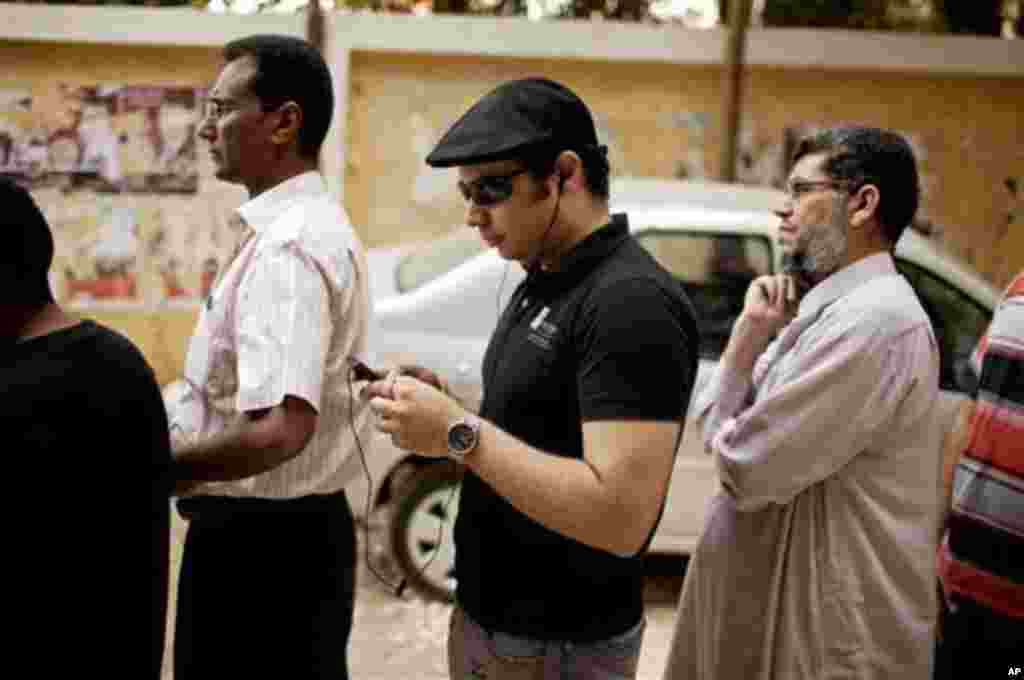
{"points": [[362, 371], [414, 407]]}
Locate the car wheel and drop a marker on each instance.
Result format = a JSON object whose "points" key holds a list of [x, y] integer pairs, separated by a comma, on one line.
{"points": [[422, 530]]}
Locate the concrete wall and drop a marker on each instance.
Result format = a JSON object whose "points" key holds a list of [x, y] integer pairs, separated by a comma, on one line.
{"points": [[656, 91]]}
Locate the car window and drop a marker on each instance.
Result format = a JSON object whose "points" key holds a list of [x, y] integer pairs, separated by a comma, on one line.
{"points": [[434, 259], [715, 270], [958, 322]]}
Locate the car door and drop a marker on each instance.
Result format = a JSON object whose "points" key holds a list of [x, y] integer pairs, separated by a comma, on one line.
{"points": [[958, 322], [715, 268]]}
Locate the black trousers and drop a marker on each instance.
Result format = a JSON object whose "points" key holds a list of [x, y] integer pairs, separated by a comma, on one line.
{"points": [[267, 588], [978, 642]]}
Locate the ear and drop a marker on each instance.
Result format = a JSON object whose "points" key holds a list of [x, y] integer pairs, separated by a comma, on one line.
{"points": [[569, 171], [863, 205], [286, 130]]}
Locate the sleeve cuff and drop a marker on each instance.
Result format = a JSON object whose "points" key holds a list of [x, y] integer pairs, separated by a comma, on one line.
{"points": [[259, 402]]}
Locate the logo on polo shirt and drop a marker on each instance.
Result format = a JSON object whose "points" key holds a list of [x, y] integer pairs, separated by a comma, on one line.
{"points": [[542, 332]]}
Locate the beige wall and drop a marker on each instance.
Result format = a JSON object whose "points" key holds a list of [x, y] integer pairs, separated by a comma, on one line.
{"points": [[161, 334], [967, 131]]}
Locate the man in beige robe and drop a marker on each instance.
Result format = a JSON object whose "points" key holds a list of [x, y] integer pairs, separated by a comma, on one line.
{"points": [[817, 558]]}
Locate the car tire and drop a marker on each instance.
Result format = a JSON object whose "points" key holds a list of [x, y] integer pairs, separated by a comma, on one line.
{"points": [[422, 527]]}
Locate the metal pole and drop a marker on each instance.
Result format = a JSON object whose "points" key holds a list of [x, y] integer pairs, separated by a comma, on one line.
{"points": [[316, 35], [732, 90], [315, 25]]}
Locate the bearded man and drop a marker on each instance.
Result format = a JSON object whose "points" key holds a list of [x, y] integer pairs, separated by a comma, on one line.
{"points": [[817, 558]]}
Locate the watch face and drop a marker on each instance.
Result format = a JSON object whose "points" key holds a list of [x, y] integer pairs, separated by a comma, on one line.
{"points": [[461, 437]]}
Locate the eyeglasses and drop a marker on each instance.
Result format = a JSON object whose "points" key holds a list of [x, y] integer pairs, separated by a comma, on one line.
{"points": [[218, 108], [489, 190], [798, 189]]}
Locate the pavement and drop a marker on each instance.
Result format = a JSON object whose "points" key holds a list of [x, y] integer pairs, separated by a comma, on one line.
{"points": [[400, 638]]}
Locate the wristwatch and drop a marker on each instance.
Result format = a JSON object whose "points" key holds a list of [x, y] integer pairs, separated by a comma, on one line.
{"points": [[463, 436]]}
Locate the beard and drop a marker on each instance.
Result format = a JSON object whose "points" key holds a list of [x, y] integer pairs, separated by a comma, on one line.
{"points": [[821, 248]]}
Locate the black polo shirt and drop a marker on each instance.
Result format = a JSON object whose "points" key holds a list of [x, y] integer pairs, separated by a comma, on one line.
{"points": [[610, 336]]}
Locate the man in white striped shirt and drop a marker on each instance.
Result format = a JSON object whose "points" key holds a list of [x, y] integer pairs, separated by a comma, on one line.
{"points": [[263, 432]]}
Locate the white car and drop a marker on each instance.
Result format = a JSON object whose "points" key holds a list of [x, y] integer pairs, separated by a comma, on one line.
{"points": [[444, 299]]}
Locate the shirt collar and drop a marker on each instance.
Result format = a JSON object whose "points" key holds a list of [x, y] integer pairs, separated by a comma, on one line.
{"points": [[1016, 286], [584, 256], [260, 212], [845, 281]]}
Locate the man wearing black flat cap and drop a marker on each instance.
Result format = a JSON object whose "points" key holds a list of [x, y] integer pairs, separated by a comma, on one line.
{"points": [[586, 380]]}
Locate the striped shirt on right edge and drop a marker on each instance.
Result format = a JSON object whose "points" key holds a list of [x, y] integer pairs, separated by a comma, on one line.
{"points": [[980, 555]]}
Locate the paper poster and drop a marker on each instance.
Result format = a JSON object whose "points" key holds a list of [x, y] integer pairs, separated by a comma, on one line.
{"points": [[109, 138], [137, 217]]}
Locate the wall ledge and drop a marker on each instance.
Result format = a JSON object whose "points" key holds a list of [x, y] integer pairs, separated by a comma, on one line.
{"points": [[521, 38]]}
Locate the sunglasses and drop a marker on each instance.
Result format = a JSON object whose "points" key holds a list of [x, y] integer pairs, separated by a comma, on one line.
{"points": [[489, 190]]}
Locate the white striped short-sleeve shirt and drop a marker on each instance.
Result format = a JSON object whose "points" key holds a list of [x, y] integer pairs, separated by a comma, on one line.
{"points": [[282, 320]]}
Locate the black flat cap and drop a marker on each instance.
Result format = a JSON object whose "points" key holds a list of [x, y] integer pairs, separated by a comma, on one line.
{"points": [[516, 116]]}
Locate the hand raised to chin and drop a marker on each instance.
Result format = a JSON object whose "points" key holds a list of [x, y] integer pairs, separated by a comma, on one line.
{"points": [[770, 303]]}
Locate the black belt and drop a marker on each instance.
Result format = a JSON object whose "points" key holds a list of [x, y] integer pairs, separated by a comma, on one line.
{"points": [[223, 507]]}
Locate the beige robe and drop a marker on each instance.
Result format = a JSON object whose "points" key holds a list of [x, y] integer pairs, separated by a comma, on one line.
{"points": [[817, 560]]}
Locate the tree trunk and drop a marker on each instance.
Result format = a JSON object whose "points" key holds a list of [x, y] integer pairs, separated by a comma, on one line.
{"points": [[732, 100], [977, 17], [863, 14], [316, 34], [315, 31], [451, 6]]}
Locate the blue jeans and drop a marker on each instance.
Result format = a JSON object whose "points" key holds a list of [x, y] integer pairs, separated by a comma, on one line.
{"points": [[476, 654]]}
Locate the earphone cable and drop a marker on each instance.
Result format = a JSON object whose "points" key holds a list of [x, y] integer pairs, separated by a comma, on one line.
{"points": [[501, 289], [400, 588], [369, 493]]}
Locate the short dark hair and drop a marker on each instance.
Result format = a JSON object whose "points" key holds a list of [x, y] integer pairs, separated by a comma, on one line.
{"points": [[27, 254], [864, 155], [290, 69], [540, 163]]}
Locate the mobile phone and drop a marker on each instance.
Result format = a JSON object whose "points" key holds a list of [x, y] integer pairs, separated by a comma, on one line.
{"points": [[363, 372]]}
